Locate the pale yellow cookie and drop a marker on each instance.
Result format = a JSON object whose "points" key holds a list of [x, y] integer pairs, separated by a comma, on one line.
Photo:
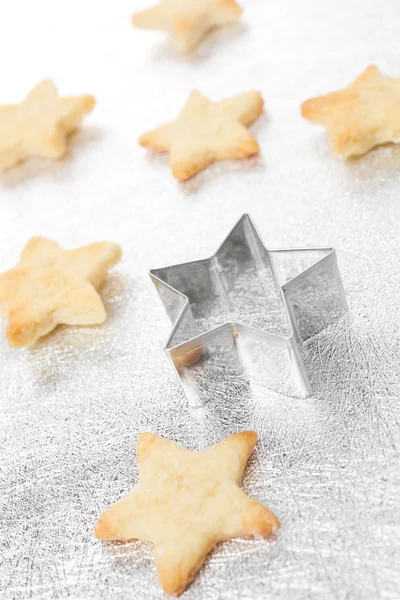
{"points": [[206, 131], [50, 286], [360, 117], [186, 502], [40, 125], [188, 21]]}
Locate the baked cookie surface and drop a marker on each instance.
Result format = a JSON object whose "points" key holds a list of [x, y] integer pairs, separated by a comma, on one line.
{"points": [[361, 116], [188, 21], [206, 132], [186, 502], [50, 286], [40, 125]]}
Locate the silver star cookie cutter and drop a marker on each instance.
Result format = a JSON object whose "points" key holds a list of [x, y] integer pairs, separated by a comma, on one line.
{"points": [[243, 315]]}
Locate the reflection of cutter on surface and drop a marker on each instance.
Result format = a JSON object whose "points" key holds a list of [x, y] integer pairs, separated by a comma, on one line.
{"points": [[246, 311]]}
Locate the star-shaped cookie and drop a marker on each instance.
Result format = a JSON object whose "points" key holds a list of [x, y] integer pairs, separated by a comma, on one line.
{"points": [[40, 125], [51, 286], [206, 132], [361, 116], [188, 21], [186, 502]]}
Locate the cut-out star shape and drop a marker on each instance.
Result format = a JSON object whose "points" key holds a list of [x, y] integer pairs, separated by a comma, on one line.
{"points": [[186, 502], [361, 116], [40, 125], [188, 21], [206, 132], [273, 298], [51, 286]]}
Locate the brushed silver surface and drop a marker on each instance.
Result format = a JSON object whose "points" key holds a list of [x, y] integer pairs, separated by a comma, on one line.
{"points": [[72, 407]]}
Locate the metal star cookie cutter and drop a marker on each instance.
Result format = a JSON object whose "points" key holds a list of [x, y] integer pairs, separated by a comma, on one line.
{"points": [[243, 315]]}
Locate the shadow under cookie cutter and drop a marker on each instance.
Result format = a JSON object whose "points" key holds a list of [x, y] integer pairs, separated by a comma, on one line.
{"points": [[243, 315]]}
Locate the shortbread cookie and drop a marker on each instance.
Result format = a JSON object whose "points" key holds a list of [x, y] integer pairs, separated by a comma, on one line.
{"points": [[360, 117], [50, 286], [40, 125], [185, 503], [206, 131], [188, 21]]}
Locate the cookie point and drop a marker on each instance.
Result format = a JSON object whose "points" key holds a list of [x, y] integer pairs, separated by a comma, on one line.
{"points": [[249, 148], [117, 251], [102, 530], [145, 140], [146, 436], [145, 441], [173, 583], [251, 437], [46, 81], [273, 521], [231, 6], [46, 86], [304, 108], [307, 108], [19, 336], [141, 19], [238, 10], [183, 172], [89, 103], [248, 437], [258, 97], [113, 252]]}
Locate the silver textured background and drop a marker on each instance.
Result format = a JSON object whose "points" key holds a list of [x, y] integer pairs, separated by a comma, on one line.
{"points": [[71, 408]]}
